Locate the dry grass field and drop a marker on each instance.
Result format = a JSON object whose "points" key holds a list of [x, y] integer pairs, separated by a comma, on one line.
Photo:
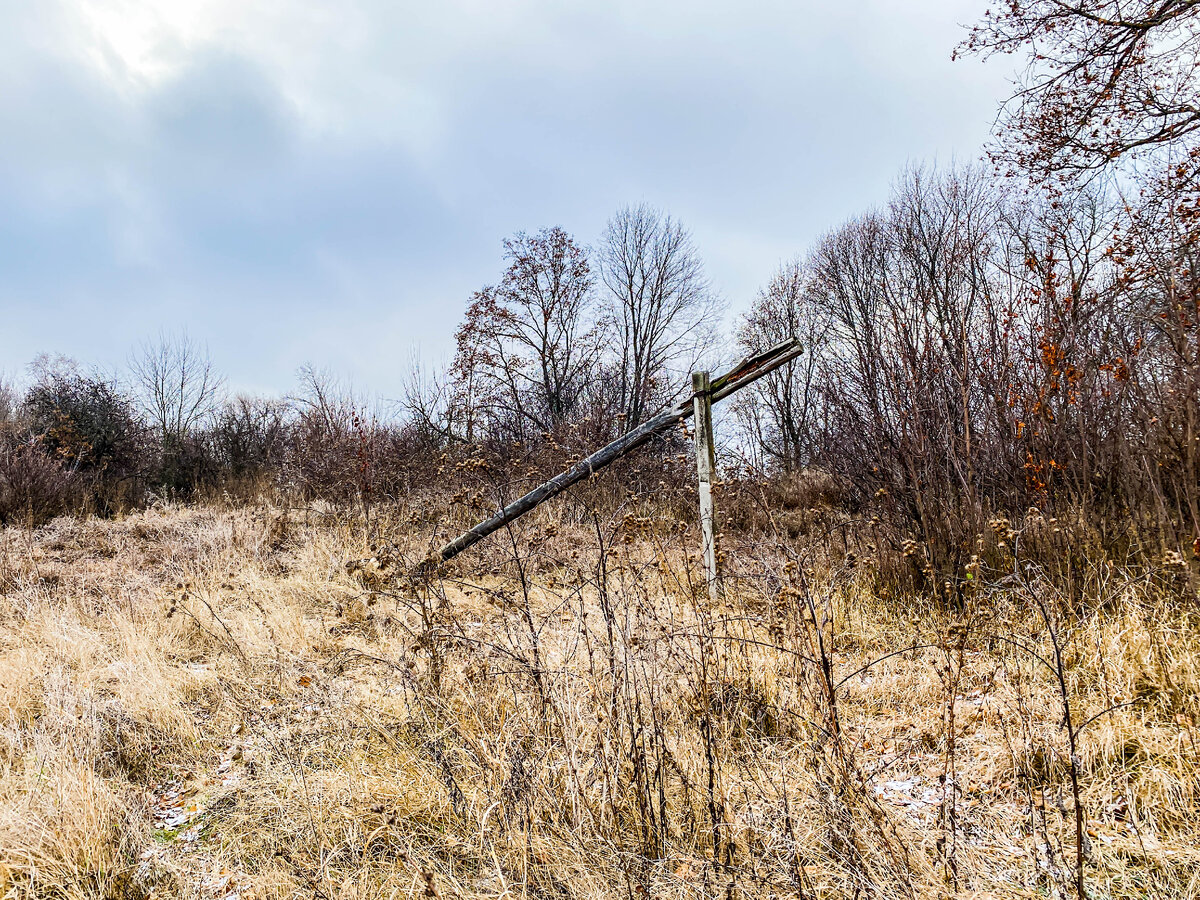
{"points": [[213, 703]]}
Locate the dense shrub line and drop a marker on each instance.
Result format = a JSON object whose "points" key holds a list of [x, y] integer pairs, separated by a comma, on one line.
{"points": [[979, 353]]}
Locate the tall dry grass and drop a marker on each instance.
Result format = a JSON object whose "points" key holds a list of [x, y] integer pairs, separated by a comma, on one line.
{"points": [[208, 702]]}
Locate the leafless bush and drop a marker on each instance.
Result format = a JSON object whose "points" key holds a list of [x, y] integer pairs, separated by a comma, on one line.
{"points": [[976, 355], [89, 425], [34, 487], [248, 439]]}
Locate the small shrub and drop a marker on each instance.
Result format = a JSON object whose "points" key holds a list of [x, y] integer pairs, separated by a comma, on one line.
{"points": [[248, 439], [34, 488], [90, 426]]}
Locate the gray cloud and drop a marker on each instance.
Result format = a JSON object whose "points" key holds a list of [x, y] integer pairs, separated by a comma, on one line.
{"points": [[329, 182]]}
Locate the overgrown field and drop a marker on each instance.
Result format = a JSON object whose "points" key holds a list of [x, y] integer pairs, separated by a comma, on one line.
{"points": [[202, 702]]}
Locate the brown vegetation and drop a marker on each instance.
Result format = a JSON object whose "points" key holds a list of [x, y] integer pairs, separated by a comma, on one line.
{"points": [[956, 651], [259, 702]]}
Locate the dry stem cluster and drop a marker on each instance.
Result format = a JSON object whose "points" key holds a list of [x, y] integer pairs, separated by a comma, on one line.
{"points": [[260, 702]]}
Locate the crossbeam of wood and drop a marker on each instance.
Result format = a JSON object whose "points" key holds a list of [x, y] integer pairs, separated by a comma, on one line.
{"points": [[744, 373]]}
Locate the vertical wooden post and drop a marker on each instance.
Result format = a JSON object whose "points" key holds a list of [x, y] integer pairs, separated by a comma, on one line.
{"points": [[706, 463]]}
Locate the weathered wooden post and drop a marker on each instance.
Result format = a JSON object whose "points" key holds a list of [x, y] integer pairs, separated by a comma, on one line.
{"points": [[706, 464]]}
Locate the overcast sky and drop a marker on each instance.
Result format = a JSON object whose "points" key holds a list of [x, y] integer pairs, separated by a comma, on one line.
{"points": [[299, 181]]}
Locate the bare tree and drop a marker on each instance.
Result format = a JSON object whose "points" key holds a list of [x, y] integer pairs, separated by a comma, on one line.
{"points": [[336, 441], [248, 435], [326, 404], [663, 307], [780, 411], [1112, 312], [848, 270], [1105, 79], [426, 404], [10, 402], [904, 292], [178, 387], [529, 346]]}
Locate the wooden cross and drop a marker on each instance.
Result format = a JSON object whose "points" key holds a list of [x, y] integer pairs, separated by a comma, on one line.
{"points": [[699, 404]]}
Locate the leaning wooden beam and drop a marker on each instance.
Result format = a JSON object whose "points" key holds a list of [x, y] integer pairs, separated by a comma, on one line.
{"points": [[747, 371]]}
